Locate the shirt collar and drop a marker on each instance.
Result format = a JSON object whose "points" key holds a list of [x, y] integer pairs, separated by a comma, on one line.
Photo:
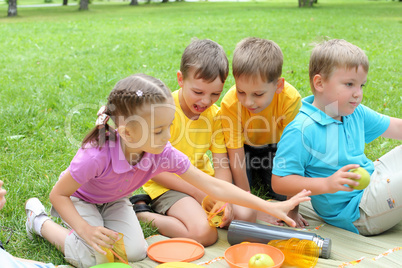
{"points": [[316, 114], [145, 162]]}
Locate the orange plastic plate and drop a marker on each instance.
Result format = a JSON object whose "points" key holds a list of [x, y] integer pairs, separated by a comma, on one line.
{"points": [[175, 250]]}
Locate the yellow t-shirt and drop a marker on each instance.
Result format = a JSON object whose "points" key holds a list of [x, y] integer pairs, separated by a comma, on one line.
{"points": [[266, 127], [194, 138]]}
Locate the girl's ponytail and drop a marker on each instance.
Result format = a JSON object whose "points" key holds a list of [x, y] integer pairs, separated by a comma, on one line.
{"points": [[102, 132]]}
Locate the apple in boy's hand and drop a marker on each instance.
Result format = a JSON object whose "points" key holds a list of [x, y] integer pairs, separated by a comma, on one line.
{"points": [[260, 260], [364, 178]]}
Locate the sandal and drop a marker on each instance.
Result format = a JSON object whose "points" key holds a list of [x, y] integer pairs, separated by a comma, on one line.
{"points": [[140, 197], [141, 207], [138, 208]]}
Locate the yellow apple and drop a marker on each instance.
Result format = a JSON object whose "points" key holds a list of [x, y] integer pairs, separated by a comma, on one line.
{"points": [[364, 178], [260, 260]]}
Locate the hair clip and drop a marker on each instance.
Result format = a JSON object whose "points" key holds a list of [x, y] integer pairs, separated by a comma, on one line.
{"points": [[102, 110], [102, 119], [139, 93]]}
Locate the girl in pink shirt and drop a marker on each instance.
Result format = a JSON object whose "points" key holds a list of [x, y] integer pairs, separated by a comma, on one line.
{"points": [[92, 195]]}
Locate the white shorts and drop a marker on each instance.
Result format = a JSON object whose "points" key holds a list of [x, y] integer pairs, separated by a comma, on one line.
{"points": [[381, 204]]}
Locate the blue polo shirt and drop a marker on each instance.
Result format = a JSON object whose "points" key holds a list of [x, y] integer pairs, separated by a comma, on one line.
{"points": [[316, 145]]}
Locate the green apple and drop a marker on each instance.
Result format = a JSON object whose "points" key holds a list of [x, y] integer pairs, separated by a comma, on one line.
{"points": [[260, 260], [364, 178]]}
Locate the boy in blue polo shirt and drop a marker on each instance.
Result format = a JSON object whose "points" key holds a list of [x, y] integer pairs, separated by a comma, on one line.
{"points": [[327, 139]]}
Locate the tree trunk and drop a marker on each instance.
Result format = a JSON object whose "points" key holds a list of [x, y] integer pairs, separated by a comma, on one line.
{"points": [[83, 4], [165, 1], [65, 2], [303, 3], [12, 8], [134, 3]]}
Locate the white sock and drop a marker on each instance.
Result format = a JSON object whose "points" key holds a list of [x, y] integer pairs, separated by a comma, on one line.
{"points": [[38, 222]]}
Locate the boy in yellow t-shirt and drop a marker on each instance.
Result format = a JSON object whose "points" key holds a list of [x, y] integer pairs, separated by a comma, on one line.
{"points": [[195, 130], [255, 112]]}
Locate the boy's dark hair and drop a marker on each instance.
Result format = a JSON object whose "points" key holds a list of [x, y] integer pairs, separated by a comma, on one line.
{"points": [[335, 53], [255, 57], [208, 60], [127, 96]]}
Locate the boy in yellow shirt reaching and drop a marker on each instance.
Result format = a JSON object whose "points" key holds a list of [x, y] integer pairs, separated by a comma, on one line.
{"points": [[196, 129], [255, 112]]}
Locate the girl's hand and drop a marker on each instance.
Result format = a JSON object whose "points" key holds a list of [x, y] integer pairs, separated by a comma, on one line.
{"points": [[228, 216], [98, 236], [282, 209], [337, 181]]}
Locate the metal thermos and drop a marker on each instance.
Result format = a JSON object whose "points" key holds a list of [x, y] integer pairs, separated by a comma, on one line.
{"points": [[241, 231]]}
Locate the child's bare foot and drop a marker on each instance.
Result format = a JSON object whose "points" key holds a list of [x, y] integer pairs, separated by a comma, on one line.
{"points": [[269, 219]]}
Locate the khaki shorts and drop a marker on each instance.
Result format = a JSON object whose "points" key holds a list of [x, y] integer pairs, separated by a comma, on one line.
{"points": [[381, 204], [164, 202]]}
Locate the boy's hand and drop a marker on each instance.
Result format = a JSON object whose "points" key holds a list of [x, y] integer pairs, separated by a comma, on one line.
{"points": [[98, 236], [341, 178], [283, 208], [298, 218]]}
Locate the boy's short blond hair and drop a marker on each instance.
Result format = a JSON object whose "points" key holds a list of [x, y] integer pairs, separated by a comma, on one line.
{"points": [[208, 60], [332, 54], [254, 57]]}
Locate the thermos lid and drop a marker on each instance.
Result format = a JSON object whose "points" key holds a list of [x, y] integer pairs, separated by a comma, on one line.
{"points": [[326, 248]]}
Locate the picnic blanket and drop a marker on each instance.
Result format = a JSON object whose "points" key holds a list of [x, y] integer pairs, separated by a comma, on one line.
{"points": [[348, 249]]}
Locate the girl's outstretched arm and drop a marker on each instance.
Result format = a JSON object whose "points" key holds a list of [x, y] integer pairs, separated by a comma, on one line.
{"points": [[95, 236], [225, 191], [174, 182]]}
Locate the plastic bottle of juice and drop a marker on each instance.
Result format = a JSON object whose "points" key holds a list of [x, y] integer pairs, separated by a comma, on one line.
{"points": [[299, 253]]}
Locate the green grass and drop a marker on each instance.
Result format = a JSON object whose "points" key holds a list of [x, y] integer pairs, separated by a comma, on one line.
{"points": [[58, 66]]}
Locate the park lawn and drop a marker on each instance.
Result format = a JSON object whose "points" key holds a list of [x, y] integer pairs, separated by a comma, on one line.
{"points": [[59, 65]]}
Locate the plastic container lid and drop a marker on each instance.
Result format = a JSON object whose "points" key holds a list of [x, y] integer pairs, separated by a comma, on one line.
{"points": [[175, 250]]}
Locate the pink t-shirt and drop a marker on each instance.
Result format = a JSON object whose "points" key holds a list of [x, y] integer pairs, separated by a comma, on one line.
{"points": [[105, 175]]}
